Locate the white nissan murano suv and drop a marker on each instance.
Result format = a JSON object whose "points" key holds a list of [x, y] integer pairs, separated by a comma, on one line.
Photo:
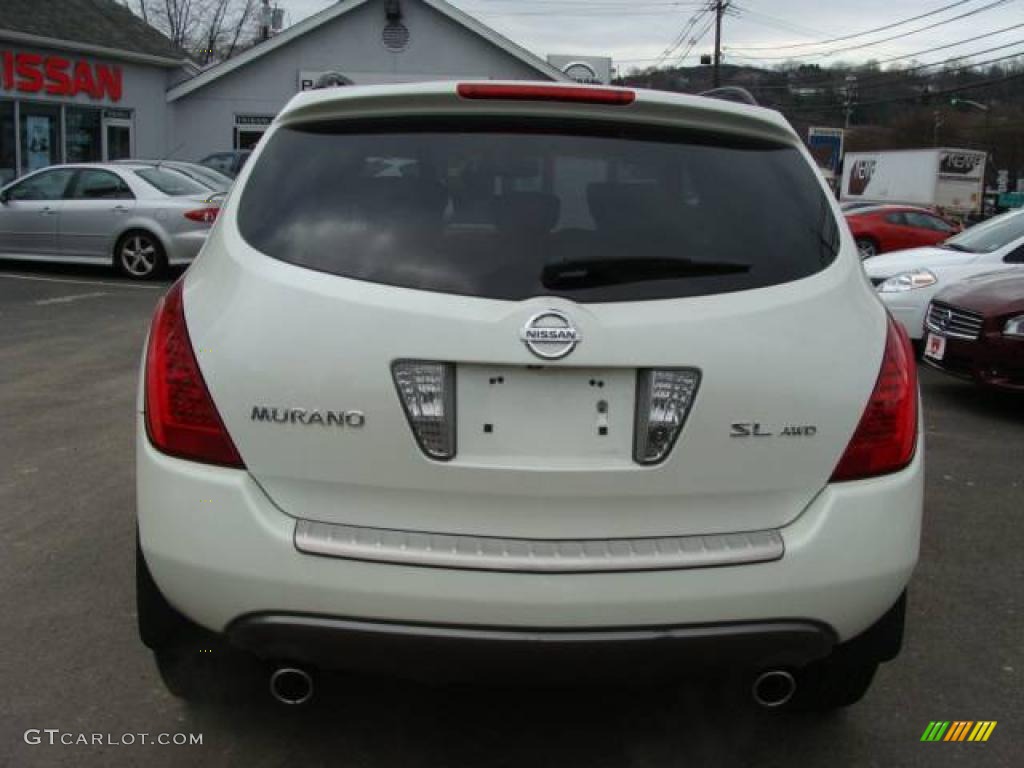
{"points": [[483, 377]]}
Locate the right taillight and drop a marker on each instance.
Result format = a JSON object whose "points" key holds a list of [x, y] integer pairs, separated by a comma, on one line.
{"points": [[886, 437], [181, 418]]}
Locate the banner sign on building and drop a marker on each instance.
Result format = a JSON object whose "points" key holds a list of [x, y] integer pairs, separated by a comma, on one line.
{"points": [[262, 121], [309, 79], [594, 70]]}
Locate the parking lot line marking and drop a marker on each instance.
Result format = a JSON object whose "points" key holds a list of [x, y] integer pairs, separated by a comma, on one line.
{"points": [[69, 299], [82, 282]]}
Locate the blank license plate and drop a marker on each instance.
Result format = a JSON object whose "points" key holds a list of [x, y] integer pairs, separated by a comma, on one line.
{"points": [[548, 416]]}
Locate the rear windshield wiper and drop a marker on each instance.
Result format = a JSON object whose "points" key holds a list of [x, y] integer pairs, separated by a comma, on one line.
{"points": [[594, 273]]}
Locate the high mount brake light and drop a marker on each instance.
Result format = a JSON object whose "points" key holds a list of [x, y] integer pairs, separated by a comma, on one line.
{"points": [[618, 97], [886, 437], [181, 418]]}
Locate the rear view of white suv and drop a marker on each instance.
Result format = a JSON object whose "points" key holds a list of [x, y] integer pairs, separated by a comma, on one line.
{"points": [[497, 375]]}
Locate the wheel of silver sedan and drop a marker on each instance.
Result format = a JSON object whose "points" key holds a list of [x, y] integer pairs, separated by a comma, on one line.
{"points": [[139, 255]]}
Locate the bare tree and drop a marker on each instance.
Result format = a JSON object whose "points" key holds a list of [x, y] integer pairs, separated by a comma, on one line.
{"points": [[210, 30]]}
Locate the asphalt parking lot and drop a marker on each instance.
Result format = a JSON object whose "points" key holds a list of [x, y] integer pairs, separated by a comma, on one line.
{"points": [[69, 351]]}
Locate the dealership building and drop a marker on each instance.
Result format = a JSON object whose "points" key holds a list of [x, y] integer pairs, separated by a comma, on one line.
{"points": [[86, 80]]}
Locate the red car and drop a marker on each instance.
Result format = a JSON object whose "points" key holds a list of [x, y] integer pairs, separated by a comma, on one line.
{"points": [[882, 228], [975, 329]]}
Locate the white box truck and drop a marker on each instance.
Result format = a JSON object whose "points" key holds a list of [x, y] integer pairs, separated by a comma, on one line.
{"points": [[948, 179]]}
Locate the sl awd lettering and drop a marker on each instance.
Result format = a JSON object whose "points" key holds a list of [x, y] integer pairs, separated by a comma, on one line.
{"points": [[757, 429]]}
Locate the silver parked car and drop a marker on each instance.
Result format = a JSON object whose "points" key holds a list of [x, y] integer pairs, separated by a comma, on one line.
{"points": [[208, 177], [139, 218]]}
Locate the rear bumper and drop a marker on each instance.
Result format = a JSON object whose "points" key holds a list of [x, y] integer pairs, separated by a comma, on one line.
{"points": [[448, 651], [219, 550]]}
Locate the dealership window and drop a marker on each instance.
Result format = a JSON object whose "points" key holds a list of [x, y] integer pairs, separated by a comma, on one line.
{"points": [[249, 129], [8, 150], [82, 133], [39, 126], [35, 134]]}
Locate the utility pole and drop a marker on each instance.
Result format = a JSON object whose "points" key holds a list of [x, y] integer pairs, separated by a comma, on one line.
{"points": [[716, 73]]}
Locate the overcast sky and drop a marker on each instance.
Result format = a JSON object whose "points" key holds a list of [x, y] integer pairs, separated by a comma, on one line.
{"points": [[635, 32]]}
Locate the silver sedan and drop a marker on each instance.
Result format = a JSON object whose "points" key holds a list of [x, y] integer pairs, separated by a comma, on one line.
{"points": [[137, 218]]}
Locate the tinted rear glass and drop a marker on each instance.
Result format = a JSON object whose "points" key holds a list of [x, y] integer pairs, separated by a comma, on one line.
{"points": [[508, 212]]}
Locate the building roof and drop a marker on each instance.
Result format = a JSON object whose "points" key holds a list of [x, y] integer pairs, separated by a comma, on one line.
{"points": [[95, 26], [341, 8]]}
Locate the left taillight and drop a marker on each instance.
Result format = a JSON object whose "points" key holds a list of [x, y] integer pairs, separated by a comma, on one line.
{"points": [[181, 418], [203, 215]]}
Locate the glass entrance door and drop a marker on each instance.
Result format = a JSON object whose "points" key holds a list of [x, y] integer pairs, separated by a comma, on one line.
{"points": [[247, 138], [117, 139], [40, 135]]}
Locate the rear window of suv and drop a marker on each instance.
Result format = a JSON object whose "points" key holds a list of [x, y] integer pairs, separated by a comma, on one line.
{"points": [[589, 212]]}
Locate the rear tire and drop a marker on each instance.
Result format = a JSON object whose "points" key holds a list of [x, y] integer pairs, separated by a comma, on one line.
{"points": [[140, 256], [867, 247]]}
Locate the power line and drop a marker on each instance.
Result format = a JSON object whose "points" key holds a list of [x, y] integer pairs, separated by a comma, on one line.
{"points": [[913, 55], [875, 80], [896, 99], [680, 39], [598, 8], [777, 23], [938, 47], [854, 34], [873, 43], [696, 40]]}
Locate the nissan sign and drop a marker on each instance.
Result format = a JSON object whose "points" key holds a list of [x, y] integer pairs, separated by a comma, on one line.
{"points": [[59, 76]]}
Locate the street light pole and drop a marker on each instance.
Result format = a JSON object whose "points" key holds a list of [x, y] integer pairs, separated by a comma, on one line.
{"points": [[716, 74], [851, 97]]}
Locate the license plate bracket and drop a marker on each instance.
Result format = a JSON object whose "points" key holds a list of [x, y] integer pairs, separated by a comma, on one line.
{"points": [[545, 416], [935, 347]]}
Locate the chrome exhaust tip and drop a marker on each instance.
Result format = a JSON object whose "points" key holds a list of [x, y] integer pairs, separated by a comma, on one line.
{"points": [[773, 688], [292, 686]]}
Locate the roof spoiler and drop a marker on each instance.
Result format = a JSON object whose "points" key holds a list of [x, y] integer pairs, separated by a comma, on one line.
{"points": [[731, 93]]}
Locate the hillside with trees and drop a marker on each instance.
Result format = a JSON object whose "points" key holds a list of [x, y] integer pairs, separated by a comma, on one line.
{"points": [[898, 106]]}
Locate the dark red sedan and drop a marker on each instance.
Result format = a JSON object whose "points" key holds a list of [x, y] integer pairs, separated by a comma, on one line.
{"points": [[883, 228], [975, 329]]}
